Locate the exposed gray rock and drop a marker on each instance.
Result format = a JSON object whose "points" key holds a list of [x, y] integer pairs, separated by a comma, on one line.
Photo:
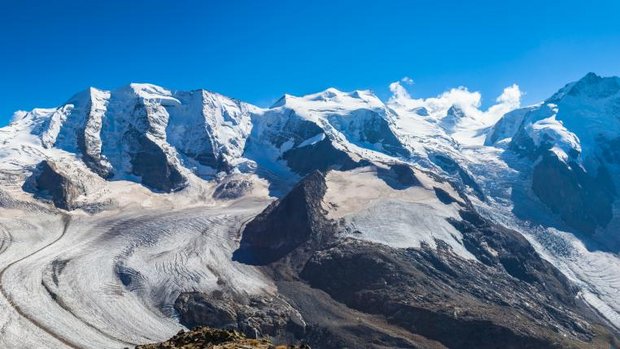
{"points": [[232, 188], [508, 298], [582, 200], [138, 128], [287, 223], [399, 176], [150, 163], [443, 196], [333, 325], [254, 316], [437, 295], [320, 156], [48, 182]]}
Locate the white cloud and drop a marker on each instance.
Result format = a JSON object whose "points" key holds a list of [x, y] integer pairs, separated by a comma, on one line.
{"points": [[509, 100], [470, 102], [399, 92], [511, 95], [407, 80]]}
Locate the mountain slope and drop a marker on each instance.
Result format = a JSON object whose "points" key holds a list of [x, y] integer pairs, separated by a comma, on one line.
{"points": [[571, 139]]}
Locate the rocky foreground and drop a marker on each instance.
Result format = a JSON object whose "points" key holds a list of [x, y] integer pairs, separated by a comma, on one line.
{"points": [[209, 338]]}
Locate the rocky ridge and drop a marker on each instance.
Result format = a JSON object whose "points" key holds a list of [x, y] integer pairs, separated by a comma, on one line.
{"points": [[208, 338]]}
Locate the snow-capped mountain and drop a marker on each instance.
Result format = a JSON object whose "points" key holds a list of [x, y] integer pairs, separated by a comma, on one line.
{"points": [[129, 214], [572, 140]]}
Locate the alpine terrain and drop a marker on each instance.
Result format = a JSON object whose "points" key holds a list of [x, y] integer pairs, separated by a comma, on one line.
{"points": [[330, 220]]}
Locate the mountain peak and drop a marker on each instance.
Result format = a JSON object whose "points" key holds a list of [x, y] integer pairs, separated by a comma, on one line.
{"points": [[590, 86], [281, 101], [335, 94], [330, 94], [456, 111], [87, 95], [591, 76]]}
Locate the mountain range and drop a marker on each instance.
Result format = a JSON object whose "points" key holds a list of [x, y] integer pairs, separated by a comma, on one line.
{"points": [[334, 219]]}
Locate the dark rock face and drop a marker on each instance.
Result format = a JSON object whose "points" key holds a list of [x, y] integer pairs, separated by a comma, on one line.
{"points": [[302, 160], [399, 176], [137, 146], [499, 247], [196, 309], [437, 295], [506, 127], [90, 146], [209, 158], [150, 163], [320, 156], [583, 201], [443, 196], [302, 130], [47, 182], [287, 223], [206, 154], [333, 325]]}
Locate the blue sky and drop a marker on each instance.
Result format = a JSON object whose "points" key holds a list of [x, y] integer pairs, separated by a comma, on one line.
{"points": [[258, 50]]}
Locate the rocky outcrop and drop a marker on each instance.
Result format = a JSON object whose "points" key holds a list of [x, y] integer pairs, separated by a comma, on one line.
{"points": [[508, 251], [232, 188], [571, 142], [208, 338], [255, 316], [48, 182], [398, 176], [583, 201], [298, 218], [508, 297], [320, 156], [151, 164], [438, 295]]}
